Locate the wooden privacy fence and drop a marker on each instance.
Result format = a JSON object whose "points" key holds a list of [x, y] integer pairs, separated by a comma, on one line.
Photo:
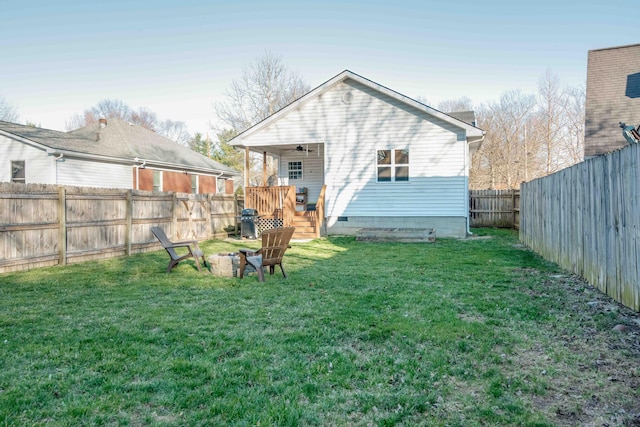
{"points": [[586, 218], [43, 225], [494, 208]]}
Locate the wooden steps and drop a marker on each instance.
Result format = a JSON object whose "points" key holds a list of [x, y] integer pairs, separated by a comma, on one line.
{"points": [[305, 224]]}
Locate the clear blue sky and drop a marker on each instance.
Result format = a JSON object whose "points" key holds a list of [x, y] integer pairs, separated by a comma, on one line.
{"points": [[178, 57]]}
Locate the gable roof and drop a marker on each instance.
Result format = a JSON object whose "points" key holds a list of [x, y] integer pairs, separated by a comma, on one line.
{"points": [[118, 141], [472, 131]]}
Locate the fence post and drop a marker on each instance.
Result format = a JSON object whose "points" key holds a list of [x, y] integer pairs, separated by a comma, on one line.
{"points": [[62, 219], [128, 228], [513, 208], [174, 215], [236, 213], [208, 214]]}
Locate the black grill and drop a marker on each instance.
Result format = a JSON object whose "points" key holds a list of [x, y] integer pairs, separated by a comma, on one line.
{"points": [[248, 223]]}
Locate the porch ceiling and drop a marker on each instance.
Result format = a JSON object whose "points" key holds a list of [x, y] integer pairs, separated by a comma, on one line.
{"points": [[281, 150]]}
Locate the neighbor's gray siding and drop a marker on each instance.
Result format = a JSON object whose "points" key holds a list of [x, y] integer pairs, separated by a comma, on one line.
{"points": [[85, 173], [613, 96], [39, 167]]}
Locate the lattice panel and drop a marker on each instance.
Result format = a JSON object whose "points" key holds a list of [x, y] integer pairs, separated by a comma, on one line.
{"points": [[263, 224]]}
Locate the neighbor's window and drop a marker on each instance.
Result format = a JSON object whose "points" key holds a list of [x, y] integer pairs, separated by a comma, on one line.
{"points": [[221, 185], [157, 180], [194, 184], [17, 171], [393, 165], [295, 170]]}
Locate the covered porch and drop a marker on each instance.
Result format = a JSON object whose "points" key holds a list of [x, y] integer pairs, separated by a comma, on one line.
{"points": [[294, 193]]}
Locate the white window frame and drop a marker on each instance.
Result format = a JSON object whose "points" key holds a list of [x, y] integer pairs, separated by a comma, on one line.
{"points": [[22, 180], [221, 185], [157, 174], [292, 172], [392, 166], [195, 184]]}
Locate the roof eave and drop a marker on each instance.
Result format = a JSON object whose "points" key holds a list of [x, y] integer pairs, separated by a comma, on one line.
{"points": [[26, 140], [148, 162], [346, 74]]}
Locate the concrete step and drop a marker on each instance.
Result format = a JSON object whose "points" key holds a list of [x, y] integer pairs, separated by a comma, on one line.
{"points": [[396, 235]]}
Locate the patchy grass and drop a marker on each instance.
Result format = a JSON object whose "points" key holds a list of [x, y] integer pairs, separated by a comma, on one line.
{"points": [[457, 333]]}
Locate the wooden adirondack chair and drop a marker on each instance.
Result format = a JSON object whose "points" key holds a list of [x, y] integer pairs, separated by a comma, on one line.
{"points": [[170, 246], [274, 243]]}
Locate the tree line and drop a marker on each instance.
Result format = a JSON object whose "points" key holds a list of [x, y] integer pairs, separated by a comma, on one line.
{"points": [[529, 135]]}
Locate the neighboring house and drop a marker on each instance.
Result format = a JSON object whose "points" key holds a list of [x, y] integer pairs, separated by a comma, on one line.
{"points": [[613, 96], [385, 160], [113, 154]]}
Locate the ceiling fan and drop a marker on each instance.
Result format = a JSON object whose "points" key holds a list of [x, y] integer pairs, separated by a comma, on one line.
{"points": [[301, 149]]}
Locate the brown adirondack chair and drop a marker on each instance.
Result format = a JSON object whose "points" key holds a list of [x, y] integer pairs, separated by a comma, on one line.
{"points": [[193, 250], [274, 243]]}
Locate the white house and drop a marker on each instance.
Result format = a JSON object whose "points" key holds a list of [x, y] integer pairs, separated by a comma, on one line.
{"points": [[113, 154], [387, 160]]}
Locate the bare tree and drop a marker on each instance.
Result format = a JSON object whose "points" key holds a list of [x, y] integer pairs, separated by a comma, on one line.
{"points": [[144, 117], [113, 108], [265, 87], [174, 130], [575, 119], [551, 120], [527, 137], [455, 105], [105, 109], [8, 112], [503, 160]]}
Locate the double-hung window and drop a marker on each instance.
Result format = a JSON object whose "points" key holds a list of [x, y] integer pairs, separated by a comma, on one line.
{"points": [[17, 171], [194, 184], [393, 165], [295, 170], [157, 180], [221, 185]]}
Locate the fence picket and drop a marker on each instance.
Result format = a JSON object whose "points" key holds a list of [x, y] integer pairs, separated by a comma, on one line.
{"points": [[494, 208], [44, 225], [586, 218]]}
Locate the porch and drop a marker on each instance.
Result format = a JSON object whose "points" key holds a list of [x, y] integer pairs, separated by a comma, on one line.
{"points": [[278, 204]]}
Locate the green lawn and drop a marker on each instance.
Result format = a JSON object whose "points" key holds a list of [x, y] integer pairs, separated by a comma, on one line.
{"points": [[456, 333]]}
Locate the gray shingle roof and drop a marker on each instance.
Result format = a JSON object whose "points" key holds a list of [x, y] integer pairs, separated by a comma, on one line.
{"points": [[119, 140], [469, 117]]}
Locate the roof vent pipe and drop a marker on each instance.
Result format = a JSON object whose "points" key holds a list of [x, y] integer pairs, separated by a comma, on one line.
{"points": [[103, 123]]}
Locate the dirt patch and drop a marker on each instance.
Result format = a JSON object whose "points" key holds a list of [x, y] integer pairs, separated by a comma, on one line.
{"points": [[588, 374]]}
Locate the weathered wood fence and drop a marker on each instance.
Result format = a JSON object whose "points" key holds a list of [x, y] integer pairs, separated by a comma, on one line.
{"points": [[586, 218], [494, 208], [43, 225]]}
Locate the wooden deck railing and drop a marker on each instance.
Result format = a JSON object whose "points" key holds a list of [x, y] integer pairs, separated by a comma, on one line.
{"points": [[272, 201], [280, 202], [319, 212]]}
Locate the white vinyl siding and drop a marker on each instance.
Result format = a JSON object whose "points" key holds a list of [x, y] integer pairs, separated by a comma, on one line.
{"points": [[351, 132], [312, 171], [39, 166], [85, 173]]}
